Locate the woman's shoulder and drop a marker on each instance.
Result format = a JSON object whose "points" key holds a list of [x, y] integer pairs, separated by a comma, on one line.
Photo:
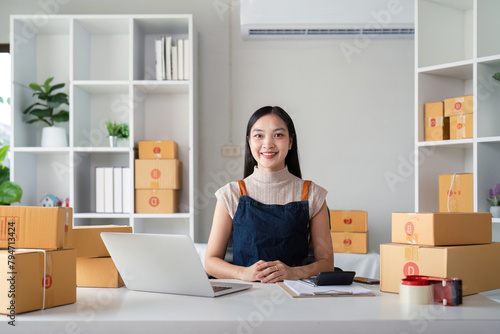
{"points": [[231, 189]]}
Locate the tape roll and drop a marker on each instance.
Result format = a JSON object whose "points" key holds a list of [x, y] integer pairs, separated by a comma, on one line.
{"points": [[416, 294]]}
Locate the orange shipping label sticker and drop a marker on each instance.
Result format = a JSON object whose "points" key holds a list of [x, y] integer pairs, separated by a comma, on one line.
{"points": [[347, 220]]}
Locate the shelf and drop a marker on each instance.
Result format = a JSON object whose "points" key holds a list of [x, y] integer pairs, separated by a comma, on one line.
{"points": [[102, 87], [41, 150], [161, 215], [162, 87], [496, 220], [102, 149], [457, 143], [106, 62], [92, 215], [458, 70]]}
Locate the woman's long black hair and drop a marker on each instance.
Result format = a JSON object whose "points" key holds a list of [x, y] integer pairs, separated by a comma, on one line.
{"points": [[292, 158]]}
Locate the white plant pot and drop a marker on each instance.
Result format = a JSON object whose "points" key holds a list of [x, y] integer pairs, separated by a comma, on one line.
{"points": [[54, 137], [495, 211], [113, 141]]}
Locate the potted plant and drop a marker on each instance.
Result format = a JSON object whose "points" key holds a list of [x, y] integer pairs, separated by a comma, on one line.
{"points": [[10, 192], [116, 131], [44, 110], [494, 200], [496, 76]]}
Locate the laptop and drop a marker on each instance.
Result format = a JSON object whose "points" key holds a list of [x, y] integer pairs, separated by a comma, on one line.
{"points": [[163, 263]]}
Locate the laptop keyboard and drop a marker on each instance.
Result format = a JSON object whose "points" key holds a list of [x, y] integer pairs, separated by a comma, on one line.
{"points": [[220, 288]]}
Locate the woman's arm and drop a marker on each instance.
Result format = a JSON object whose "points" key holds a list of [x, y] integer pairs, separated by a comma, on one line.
{"points": [[216, 249], [323, 254]]}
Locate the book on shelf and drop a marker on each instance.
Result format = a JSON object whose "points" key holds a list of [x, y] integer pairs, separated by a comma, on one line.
{"points": [[186, 58], [99, 189], [108, 190], [175, 65], [158, 60], [117, 190], [127, 190], [168, 57], [180, 59]]}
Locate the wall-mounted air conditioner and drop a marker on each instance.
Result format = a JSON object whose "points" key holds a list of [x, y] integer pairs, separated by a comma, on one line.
{"points": [[326, 18]]}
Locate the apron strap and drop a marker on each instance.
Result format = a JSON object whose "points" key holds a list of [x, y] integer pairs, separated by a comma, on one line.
{"points": [[243, 189], [305, 190]]}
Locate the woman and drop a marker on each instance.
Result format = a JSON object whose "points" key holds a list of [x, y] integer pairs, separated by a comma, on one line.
{"points": [[273, 213]]}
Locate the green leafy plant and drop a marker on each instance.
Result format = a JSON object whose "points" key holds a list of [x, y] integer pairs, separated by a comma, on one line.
{"points": [[119, 130], [2, 100], [496, 76], [49, 101], [10, 192]]}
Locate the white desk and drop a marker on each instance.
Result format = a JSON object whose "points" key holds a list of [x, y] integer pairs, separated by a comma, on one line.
{"points": [[263, 309]]}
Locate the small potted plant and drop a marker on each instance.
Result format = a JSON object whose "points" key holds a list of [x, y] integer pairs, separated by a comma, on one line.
{"points": [[496, 76], [10, 192], [494, 200], [44, 110], [116, 131]]}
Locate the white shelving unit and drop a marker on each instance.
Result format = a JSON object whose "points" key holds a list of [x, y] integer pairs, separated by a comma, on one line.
{"points": [[108, 65], [457, 52]]}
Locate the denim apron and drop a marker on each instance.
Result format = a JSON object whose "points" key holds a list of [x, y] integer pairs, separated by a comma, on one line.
{"points": [[271, 232]]}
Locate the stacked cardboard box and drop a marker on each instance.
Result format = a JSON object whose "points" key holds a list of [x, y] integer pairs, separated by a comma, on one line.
{"points": [[443, 245], [158, 178], [456, 192], [449, 119], [94, 266], [349, 230], [37, 265]]}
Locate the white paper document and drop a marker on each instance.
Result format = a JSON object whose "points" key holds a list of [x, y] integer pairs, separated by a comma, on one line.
{"points": [[303, 289]]}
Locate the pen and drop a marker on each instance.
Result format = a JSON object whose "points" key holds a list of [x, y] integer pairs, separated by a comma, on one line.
{"points": [[307, 282], [337, 293]]}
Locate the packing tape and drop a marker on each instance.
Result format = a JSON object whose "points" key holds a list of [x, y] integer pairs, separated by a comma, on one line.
{"points": [[460, 126], [445, 291], [421, 294], [411, 253], [44, 270], [436, 122], [347, 221]]}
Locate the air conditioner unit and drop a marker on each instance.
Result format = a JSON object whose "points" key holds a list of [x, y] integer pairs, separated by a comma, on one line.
{"points": [[326, 18]]}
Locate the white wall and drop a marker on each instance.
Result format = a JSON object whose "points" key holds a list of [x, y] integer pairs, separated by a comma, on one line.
{"points": [[353, 115]]}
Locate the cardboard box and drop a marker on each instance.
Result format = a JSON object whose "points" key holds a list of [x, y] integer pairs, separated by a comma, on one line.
{"points": [[21, 286], [456, 192], [459, 105], [87, 239], [158, 174], [350, 242], [158, 149], [156, 201], [461, 126], [35, 227], [477, 265], [441, 229], [437, 127], [99, 272], [349, 221]]}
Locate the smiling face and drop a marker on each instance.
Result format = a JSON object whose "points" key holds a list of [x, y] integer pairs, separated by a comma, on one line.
{"points": [[270, 142]]}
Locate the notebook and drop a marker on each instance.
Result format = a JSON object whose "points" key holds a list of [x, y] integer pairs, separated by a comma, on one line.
{"points": [[163, 263]]}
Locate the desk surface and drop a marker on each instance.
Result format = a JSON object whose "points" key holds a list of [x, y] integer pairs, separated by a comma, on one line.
{"points": [[265, 308]]}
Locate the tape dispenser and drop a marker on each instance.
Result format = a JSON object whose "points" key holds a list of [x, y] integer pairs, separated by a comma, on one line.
{"points": [[446, 291]]}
